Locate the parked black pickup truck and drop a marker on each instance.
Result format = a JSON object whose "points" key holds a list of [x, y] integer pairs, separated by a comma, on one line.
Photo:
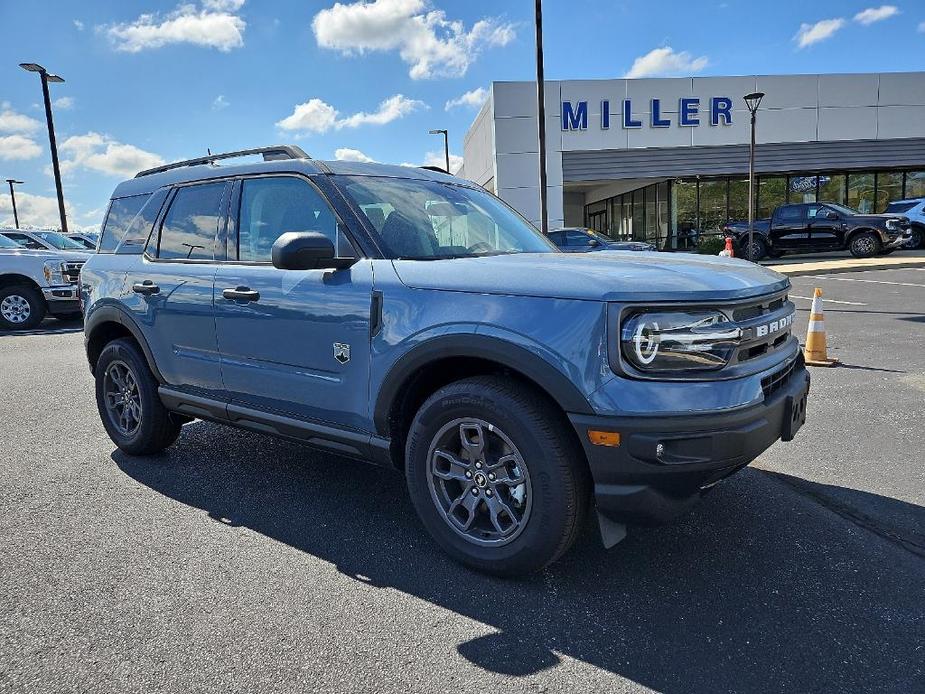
{"points": [[820, 226]]}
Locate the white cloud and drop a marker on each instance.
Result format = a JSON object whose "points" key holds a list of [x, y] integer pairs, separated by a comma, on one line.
{"points": [[431, 44], [922, 27], [317, 116], [471, 99], [347, 154], [18, 147], [33, 210], [213, 25], [64, 103], [810, 34], [665, 61], [876, 14], [438, 159], [220, 103], [78, 25], [13, 122], [103, 154]]}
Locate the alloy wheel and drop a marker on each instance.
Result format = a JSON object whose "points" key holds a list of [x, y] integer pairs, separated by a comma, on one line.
{"points": [[123, 401], [864, 245], [15, 309], [479, 482]]}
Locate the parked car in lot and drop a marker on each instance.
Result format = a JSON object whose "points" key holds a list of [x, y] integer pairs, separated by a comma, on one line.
{"points": [[817, 227], [88, 241], [583, 240], [914, 209], [34, 283], [42, 240], [410, 318]]}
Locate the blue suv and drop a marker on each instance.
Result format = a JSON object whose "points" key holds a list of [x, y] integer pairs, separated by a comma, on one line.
{"points": [[414, 320]]}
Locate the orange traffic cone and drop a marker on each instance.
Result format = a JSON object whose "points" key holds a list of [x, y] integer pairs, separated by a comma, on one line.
{"points": [[815, 351], [728, 251]]}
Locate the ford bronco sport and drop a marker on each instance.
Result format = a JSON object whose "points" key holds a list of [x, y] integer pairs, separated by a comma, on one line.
{"points": [[412, 319]]}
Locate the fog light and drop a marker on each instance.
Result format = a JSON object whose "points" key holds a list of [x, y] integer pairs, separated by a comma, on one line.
{"points": [[604, 438]]}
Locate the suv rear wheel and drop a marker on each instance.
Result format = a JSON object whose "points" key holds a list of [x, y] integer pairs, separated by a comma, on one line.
{"points": [[126, 396], [864, 245], [21, 308], [495, 475]]}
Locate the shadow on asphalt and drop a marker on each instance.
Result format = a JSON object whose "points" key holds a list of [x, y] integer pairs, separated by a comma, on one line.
{"points": [[50, 326], [758, 589]]}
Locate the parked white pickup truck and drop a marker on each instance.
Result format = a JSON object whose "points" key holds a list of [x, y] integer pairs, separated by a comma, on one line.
{"points": [[34, 283]]}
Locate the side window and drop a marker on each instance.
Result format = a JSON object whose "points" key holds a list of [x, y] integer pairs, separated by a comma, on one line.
{"points": [[191, 223], [576, 238], [272, 206], [121, 213], [137, 233], [557, 237], [814, 211], [26, 241], [790, 213]]}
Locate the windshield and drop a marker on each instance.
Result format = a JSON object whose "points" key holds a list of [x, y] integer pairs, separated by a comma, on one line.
{"points": [[841, 208], [428, 220], [86, 243], [59, 241]]}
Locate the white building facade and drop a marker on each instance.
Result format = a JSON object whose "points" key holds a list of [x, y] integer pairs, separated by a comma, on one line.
{"points": [[667, 159]]}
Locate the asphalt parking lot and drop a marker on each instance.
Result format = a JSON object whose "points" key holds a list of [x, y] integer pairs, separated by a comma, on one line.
{"points": [[238, 562]]}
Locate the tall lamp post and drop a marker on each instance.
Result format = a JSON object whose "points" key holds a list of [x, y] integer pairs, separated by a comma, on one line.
{"points": [[752, 100], [46, 78], [446, 146], [12, 182], [541, 115]]}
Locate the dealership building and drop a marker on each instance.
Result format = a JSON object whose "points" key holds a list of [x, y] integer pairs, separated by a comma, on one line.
{"points": [[667, 159]]}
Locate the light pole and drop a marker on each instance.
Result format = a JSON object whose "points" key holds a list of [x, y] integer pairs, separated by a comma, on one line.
{"points": [[752, 100], [541, 115], [446, 146], [46, 78], [12, 182]]}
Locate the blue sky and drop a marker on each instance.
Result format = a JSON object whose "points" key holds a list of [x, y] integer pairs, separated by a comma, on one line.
{"points": [[150, 81]]}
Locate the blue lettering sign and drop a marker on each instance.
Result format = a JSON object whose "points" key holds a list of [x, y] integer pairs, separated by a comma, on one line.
{"points": [[605, 114], [628, 121], [720, 106], [657, 120], [688, 111], [574, 119]]}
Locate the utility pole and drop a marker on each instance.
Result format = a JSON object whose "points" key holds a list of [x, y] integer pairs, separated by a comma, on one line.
{"points": [[12, 182], [541, 115], [446, 146]]}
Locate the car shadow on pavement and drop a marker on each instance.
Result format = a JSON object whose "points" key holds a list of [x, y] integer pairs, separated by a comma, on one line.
{"points": [[759, 589], [50, 326]]}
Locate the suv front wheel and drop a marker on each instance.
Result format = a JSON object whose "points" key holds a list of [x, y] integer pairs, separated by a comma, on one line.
{"points": [[496, 476], [864, 245], [126, 396]]}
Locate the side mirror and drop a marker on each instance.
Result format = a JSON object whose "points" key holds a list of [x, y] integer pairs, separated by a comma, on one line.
{"points": [[307, 250], [593, 242], [831, 215]]}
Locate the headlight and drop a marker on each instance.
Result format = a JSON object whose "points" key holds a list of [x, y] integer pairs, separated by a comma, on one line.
{"points": [[53, 272], [892, 224], [654, 341]]}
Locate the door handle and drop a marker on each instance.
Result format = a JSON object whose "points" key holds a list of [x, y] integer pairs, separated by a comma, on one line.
{"points": [[241, 294], [146, 288]]}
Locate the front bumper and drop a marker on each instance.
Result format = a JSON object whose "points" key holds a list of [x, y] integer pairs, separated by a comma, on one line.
{"points": [[61, 299], [898, 240], [638, 482]]}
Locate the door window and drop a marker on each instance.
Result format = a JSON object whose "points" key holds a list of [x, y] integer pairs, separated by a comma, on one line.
{"points": [[576, 238], [26, 241], [814, 211], [790, 214], [191, 223], [272, 206]]}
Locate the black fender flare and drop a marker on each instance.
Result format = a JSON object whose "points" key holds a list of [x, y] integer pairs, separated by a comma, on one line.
{"points": [[117, 314], [507, 354]]}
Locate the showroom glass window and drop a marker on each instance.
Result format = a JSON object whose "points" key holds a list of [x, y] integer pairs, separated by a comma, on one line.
{"points": [[639, 220], [832, 188], [712, 205], [191, 223], [889, 188], [651, 215], [684, 211], [738, 199], [915, 184], [861, 192], [662, 215], [772, 191]]}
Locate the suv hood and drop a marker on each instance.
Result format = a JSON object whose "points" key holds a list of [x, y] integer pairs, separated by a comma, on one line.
{"points": [[612, 276], [874, 218], [45, 254]]}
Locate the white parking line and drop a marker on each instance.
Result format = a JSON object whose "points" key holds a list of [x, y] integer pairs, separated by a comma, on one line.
{"points": [[853, 279], [829, 301]]}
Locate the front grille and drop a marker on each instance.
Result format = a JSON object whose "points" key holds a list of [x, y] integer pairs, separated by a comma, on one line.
{"points": [[766, 326], [72, 272], [772, 383], [758, 309]]}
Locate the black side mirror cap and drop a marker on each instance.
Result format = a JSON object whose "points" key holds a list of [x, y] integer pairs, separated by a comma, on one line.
{"points": [[307, 250], [594, 242], [831, 215]]}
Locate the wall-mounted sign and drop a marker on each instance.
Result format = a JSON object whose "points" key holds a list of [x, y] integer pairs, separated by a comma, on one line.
{"points": [[575, 114]]}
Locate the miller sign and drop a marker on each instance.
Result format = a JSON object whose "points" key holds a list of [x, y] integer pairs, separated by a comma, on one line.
{"points": [[575, 115]]}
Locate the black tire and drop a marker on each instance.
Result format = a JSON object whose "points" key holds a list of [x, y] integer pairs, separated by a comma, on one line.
{"points": [[555, 492], [21, 308], [864, 245], [756, 251], [156, 429]]}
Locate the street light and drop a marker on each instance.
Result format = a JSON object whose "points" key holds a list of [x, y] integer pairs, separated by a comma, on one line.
{"points": [[752, 100], [541, 115], [446, 146], [46, 78], [12, 182]]}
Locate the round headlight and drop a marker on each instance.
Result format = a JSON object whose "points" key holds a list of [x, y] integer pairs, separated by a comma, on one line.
{"points": [[645, 341]]}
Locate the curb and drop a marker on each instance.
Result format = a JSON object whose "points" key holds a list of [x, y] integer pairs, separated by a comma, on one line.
{"points": [[837, 267]]}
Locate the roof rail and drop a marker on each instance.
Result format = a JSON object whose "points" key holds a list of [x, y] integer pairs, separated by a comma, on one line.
{"points": [[274, 153]]}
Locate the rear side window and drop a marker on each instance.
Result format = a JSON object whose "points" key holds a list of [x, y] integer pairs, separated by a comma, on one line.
{"points": [[191, 224], [900, 207], [272, 206], [121, 213], [790, 213]]}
